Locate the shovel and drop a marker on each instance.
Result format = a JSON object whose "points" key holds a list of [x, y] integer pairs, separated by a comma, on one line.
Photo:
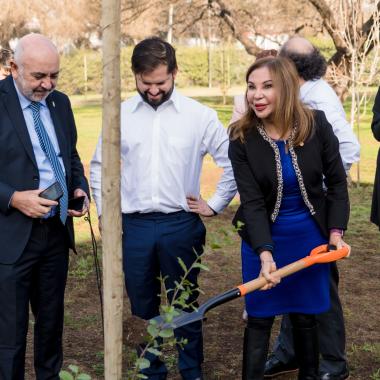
{"points": [[318, 255]]}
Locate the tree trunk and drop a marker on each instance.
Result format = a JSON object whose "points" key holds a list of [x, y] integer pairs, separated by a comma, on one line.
{"points": [[111, 210], [170, 24]]}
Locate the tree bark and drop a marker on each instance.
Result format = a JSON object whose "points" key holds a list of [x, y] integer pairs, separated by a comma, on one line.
{"points": [[111, 210]]}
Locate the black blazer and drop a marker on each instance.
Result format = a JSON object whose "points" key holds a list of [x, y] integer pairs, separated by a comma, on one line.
{"points": [[18, 167], [254, 167]]}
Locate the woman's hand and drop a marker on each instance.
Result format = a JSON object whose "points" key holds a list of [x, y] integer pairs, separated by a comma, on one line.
{"points": [[267, 267], [337, 240]]}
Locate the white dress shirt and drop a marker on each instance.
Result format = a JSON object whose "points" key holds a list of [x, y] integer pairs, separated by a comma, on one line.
{"points": [[318, 94], [162, 154]]}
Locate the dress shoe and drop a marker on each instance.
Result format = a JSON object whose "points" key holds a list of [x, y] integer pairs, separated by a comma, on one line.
{"points": [[333, 376], [275, 367]]}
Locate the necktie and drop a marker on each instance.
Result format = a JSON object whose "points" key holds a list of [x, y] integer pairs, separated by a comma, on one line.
{"points": [[51, 155]]}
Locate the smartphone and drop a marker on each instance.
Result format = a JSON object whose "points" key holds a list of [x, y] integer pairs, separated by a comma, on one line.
{"points": [[53, 192], [76, 203]]}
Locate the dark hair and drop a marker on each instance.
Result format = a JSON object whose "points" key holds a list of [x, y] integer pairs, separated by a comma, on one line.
{"points": [[151, 53], [309, 66], [5, 57]]}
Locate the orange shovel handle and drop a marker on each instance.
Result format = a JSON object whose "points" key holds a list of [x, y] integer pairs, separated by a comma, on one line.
{"points": [[318, 255]]}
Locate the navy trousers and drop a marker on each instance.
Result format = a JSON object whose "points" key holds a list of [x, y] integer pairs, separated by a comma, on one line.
{"points": [[152, 244]]}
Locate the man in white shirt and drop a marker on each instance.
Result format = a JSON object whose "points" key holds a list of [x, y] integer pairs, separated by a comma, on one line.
{"points": [[164, 138]]}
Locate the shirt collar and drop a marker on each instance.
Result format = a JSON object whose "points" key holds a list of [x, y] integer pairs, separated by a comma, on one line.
{"points": [[174, 99], [24, 101]]}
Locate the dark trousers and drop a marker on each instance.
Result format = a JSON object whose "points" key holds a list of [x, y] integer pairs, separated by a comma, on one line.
{"points": [[38, 277], [332, 337], [152, 244]]}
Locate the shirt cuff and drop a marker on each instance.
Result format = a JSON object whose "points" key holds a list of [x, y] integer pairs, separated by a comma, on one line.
{"points": [[214, 212], [217, 204]]}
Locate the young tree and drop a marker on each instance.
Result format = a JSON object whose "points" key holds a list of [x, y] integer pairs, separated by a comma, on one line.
{"points": [[363, 50], [111, 209]]}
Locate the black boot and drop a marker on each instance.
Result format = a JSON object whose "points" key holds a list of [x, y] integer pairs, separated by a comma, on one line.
{"points": [[256, 345], [306, 348]]}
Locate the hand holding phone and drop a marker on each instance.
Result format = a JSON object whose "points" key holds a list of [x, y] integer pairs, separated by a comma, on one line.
{"points": [[53, 192], [76, 203]]}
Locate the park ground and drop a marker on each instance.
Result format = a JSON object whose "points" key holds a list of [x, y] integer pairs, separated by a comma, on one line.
{"points": [[223, 330]]}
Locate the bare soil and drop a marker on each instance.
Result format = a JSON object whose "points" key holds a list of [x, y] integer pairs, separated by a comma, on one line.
{"points": [[223, 330]]}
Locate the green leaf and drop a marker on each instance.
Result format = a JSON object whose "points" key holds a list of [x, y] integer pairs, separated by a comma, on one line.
{"points": [[166, 333], [215, 245], [154, 351], [142, 363], [169, 318], [167, 309], [153, 331], [239, 226], [141, 376], [182, 264], [74, 369], [64, 375], [201, 266], [83, 376]]}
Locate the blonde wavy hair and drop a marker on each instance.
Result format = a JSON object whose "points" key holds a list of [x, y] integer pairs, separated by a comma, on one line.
{"points": [[291, 115]]}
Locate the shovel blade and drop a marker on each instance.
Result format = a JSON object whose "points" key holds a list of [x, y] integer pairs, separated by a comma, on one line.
{"points": [[180, 320]]}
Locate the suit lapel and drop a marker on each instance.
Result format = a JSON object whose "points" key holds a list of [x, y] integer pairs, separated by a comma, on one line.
{"points": [[59, 129], [12, 105]]}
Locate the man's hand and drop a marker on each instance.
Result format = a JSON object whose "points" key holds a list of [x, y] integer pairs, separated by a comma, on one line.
{"points": [[30, 204], [86, 204], [199, 206]]}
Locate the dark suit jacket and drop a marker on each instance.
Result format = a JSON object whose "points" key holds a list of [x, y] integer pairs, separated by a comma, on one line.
{"points": [[375, 210], [254, 168], [18, 167]]}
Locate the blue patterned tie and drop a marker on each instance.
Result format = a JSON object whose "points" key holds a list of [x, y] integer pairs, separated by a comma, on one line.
{"points": [[48, 149]]}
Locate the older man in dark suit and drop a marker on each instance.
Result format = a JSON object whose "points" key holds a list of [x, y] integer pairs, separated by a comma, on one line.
{"points": [[38, 147]]}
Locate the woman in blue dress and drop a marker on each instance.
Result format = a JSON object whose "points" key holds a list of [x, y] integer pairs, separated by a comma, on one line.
{"points": [[293, 192]]}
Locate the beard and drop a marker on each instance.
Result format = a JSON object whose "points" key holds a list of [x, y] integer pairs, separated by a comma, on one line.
{"points": [[34, 94], [156, 103]]}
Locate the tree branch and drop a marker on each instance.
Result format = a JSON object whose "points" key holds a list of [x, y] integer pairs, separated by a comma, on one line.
{"points": [[331, 25], [241, 34]]}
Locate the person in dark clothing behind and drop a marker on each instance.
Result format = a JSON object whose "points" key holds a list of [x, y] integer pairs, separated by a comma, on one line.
{"points": [[375, 210]]}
